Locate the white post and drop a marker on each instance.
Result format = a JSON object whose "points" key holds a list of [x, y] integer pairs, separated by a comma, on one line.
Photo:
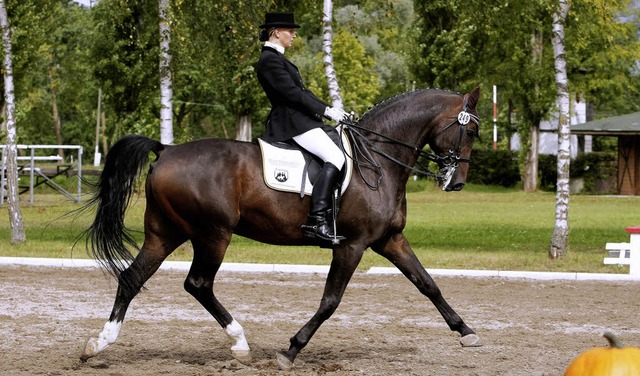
{"points": [[634, 250], [495, 118], [79, 173], [31, 167], [96, 155]]}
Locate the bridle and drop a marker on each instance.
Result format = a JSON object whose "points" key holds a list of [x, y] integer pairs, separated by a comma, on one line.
{"points": [[363, 148]]}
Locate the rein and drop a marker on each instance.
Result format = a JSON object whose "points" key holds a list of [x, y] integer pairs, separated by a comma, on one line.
{"points": [[363, 158]]}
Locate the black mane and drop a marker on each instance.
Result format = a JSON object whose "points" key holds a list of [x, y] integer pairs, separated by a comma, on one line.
{"points": [[397, 98]]}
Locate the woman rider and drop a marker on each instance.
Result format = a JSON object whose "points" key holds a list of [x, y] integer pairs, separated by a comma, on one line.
{"points": [[296, 113]]}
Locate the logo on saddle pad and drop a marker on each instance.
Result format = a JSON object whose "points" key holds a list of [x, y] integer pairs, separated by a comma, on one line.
{"points": [[281, 175], [286, 169]]}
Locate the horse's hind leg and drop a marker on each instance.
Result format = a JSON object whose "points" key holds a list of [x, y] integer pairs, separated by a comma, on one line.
{"points": [[207, 258], [130, 281], [399, 252]]}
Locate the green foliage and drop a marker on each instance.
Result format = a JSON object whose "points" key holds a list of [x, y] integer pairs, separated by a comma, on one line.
{"points": [[460, 44], [463, 44], [383, 28], [125, 53], [596, 169], [50, 44], [215, 47], [494, 167], [547, 169], [114, 46], [602, 52], [358, 90], [605, 143]]}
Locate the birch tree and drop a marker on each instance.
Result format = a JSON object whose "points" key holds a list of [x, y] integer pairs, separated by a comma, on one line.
{"points": [[166, 91], [13, 201], [560, 235], [327, 41]]}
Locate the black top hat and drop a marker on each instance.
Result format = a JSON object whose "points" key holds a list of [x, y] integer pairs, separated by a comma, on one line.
{"points": [[279, 20]]}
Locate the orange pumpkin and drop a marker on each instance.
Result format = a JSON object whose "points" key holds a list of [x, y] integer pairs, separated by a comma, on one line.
{"points": [[615, 361]]}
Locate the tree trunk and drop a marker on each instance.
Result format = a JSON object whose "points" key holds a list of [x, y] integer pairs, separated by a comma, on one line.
{"points": [[329, 70], [243, 128], [560, 237], [166, 91], [13, 201], [56, 116], [3, 122], [530, 181]]}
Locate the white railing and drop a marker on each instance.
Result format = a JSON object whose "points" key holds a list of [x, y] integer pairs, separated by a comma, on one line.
{"points": [[27, 164], [626, 253]]}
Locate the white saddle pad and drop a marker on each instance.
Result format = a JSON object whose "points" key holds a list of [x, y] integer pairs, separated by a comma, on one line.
{"points": [[283, 168]]}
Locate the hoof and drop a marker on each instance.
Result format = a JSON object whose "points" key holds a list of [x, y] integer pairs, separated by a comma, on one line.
{"points": [[90, 349], [243, 356], [284, 362], [470, 340]]}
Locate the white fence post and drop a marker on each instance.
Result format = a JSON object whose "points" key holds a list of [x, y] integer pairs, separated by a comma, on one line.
{"points": [[634, 250]]}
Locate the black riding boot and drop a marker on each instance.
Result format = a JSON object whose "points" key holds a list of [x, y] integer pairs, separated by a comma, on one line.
{"points": [[320, 219]]}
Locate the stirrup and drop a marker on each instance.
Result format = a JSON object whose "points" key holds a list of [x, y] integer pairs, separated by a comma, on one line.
{"points": [[312, 231]]}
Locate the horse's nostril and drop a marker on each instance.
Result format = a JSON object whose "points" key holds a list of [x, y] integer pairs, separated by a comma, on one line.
{"points": [[455, 187]]}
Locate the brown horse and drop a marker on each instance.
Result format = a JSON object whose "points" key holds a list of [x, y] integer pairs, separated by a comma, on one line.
{"points": [[205, 191]]}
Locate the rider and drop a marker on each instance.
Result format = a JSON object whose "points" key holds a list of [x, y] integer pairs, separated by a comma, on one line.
{"points": [[296, 113]]}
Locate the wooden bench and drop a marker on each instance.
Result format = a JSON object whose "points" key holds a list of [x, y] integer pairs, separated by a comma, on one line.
{"points": [[626, 253]]}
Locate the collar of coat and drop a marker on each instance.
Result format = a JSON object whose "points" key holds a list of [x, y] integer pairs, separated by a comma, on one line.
{"points": [[276, 47]]}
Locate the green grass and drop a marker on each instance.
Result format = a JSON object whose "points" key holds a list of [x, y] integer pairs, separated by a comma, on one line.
{"points": [[478, 228]]}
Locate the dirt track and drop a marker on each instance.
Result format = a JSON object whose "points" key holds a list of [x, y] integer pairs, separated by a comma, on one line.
{"points": [[383, 326]]}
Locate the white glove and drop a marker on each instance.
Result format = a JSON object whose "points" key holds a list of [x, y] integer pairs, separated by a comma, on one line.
{"points": [[335, 114]]}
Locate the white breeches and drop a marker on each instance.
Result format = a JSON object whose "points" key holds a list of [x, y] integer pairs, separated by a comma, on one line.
{"points": [[318, 143]]}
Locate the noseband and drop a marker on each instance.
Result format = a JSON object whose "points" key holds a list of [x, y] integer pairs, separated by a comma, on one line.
{"points": [[450, 161], [362, 148]]}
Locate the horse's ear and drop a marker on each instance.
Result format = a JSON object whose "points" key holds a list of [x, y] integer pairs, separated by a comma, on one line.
{"points": [[472, 98]]}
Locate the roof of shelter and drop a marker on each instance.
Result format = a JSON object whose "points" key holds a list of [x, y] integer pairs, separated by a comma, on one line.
{"points": [[628, 124]]}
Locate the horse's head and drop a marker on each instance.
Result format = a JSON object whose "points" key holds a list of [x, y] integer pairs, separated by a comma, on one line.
{"points": [[399, 128], [453, 139]]}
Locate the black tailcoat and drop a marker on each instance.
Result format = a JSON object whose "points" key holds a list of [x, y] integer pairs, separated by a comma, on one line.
{"points": [[294, 109]]}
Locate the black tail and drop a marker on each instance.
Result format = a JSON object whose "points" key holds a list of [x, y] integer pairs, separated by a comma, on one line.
{"points": [[107, 237]]}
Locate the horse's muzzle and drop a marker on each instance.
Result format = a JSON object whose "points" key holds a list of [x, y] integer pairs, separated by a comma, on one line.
{"points": [[454, 187]]}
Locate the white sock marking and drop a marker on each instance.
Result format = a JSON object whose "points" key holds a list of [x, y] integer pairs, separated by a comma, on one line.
{"points": [[108, 335], [236, 334]]}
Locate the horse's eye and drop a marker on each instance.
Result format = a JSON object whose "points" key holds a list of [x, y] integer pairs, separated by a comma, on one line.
{"points": [[471, 133]]}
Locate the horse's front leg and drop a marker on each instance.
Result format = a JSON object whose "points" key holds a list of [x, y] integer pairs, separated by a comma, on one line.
{"points": [[397, 250], [344, 263]]}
